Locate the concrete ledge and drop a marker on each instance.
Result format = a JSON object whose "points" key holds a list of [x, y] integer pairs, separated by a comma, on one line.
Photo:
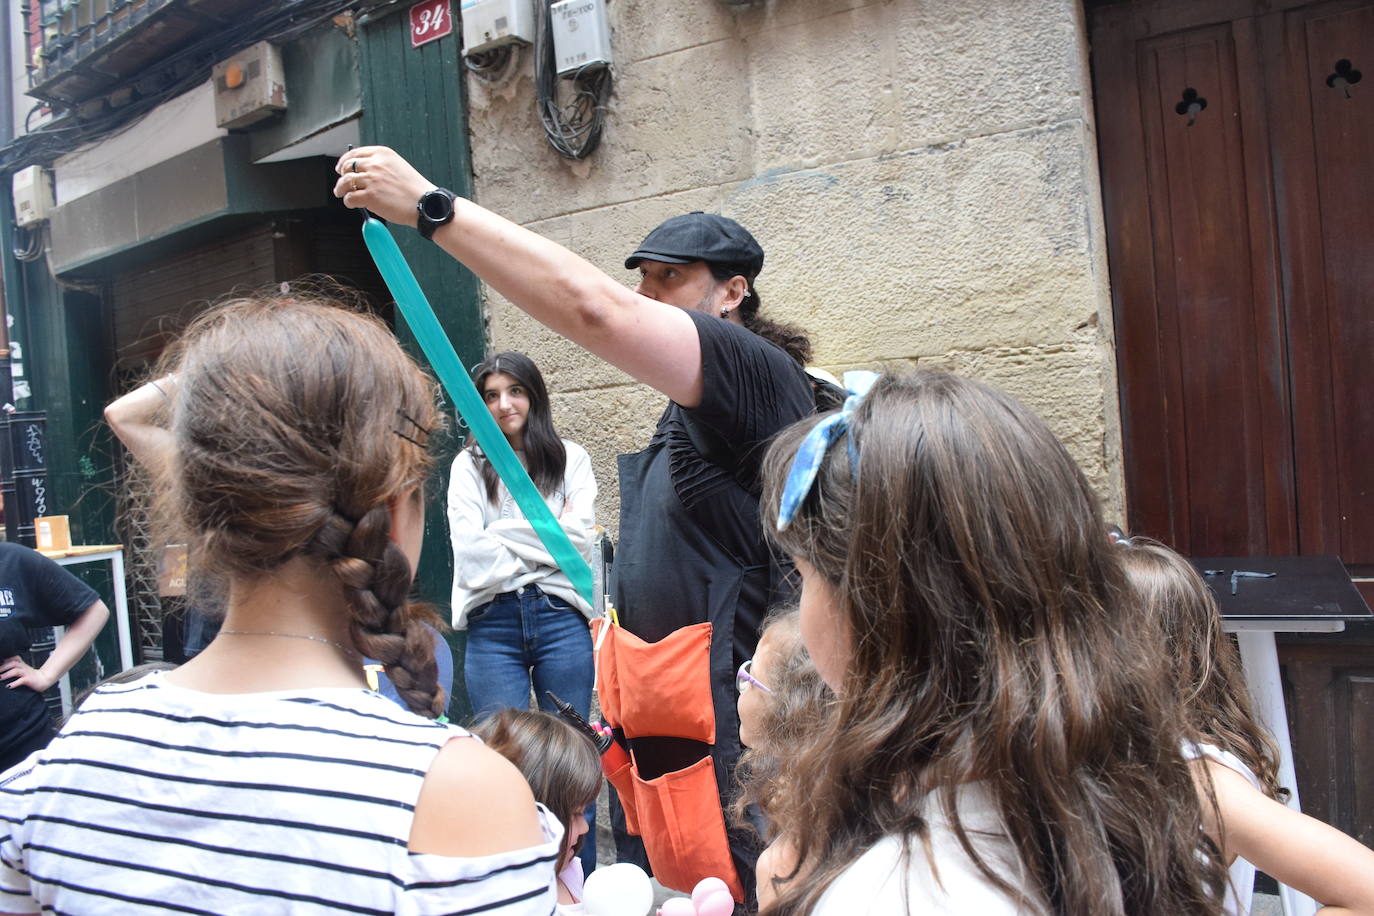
{"points": [[211, 181]]}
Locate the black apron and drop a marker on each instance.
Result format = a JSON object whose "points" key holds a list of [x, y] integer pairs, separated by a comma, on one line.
{"points": [[690, 549]]}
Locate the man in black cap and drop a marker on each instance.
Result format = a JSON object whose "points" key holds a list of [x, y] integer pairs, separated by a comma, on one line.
{"points": [[691, 547], [707, 263], [692, 553]]}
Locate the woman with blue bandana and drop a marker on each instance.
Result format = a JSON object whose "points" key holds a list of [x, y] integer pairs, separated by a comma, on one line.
{"points": [[693, 564], [1006, 737]]}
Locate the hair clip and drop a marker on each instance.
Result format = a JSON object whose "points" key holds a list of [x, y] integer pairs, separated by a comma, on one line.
{"points": [[413, 422], [569, 714], [806, 465]]}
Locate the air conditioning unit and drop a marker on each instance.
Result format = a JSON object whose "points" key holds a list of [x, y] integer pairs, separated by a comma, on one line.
{"points": [[32, 195], [250, 86]]}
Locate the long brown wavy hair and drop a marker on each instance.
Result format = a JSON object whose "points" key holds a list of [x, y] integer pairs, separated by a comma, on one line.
{"points": [[295, 421], [993, 639], [1206, 664]]}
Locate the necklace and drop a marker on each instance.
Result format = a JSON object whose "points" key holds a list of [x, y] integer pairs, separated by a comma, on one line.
{"points": [[339, 646]]}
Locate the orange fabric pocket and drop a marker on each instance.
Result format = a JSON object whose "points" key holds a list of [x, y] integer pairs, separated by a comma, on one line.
{"points": [[620, 779], [683, 827], [658, 689]]}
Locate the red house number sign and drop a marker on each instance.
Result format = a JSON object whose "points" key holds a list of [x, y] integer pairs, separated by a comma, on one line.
{"points": [[430, 20]]}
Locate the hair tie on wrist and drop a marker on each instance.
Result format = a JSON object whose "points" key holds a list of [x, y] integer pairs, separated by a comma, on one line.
{"points": [[159, 389]]}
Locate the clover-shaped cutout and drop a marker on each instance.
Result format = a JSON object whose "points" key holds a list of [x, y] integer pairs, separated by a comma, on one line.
{"points": [[1345, 76], [1191, 105]]}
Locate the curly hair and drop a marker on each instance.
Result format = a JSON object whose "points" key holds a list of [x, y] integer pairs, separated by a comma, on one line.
{"points": [[796, 709], [792, 339]]}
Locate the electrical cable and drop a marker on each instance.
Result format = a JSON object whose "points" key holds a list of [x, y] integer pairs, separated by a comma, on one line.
{"points": [[28, 243], [571, 109], [493, 66]]}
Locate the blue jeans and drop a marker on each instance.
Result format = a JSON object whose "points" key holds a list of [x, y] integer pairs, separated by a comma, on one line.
{"points": [[525, 638]]}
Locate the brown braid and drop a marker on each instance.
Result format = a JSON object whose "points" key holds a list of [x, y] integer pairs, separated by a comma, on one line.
{"points": [[287, 423], [376, 579]]}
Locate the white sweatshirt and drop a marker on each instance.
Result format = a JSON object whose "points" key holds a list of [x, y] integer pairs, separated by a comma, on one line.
{"points": [[495, 549]]}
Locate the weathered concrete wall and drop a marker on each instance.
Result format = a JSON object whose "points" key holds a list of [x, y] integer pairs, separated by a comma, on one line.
{"points": [[921, 173]]}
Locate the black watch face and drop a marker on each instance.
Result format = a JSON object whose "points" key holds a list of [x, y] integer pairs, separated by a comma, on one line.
{"points": [[436, 205]]}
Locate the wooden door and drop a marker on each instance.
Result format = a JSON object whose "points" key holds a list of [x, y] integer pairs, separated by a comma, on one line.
{"points": [[1323, 149], [1237, 145], [1235, 142], [1187, 190]]}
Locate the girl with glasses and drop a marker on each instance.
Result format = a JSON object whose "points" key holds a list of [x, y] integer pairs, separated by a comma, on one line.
{"points": [[782, 703]]}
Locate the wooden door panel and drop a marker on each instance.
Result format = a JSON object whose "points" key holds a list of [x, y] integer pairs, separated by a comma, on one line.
{"points": [[1326, 222], [1194, 294], [1331, 716]]}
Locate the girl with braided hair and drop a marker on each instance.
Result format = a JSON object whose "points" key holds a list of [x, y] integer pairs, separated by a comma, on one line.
{"points": [[263, 775]]}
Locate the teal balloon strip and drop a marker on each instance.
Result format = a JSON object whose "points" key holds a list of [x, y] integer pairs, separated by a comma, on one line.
{"points": [[427, 330]]}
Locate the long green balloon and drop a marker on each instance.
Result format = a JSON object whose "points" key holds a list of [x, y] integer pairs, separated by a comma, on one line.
{"points": [[427, 330]]}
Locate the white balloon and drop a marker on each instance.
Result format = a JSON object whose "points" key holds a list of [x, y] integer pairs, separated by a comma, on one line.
{"points": [[621, 889]]}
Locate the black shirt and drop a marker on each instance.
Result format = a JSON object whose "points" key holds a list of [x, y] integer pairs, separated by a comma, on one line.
{"points": [[35, 592], [691, 545]]}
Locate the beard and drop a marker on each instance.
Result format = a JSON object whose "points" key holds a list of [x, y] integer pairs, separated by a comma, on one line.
{"points": [[707, 305]]}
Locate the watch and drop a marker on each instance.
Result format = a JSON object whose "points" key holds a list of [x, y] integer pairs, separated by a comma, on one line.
{"points": [[435, 209]]}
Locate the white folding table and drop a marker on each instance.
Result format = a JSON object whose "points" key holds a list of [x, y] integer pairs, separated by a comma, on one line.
{"points": [[1305, 595], [99, 553]]}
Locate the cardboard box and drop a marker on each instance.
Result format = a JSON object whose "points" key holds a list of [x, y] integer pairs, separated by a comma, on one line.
{"points": [[53, 532]]}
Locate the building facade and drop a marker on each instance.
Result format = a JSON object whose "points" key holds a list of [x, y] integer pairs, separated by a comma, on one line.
{"points": [[1022, 192]]}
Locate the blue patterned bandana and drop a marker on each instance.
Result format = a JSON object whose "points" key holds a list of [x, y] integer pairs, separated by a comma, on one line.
{"points": [[801, 477]]}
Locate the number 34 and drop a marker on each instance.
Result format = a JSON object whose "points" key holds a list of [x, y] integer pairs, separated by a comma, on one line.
{"points": [[432, 19]]}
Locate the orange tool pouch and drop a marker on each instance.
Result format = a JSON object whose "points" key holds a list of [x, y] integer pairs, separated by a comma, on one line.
{"points": [[663, 690]]}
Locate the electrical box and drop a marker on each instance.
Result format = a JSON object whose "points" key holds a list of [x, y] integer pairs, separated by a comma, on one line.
{"points": [[581, 36], [249, 86], [32, 195], [489, 24]]}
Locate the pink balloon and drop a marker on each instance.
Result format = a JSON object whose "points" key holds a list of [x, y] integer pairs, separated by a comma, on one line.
{"points": [[716, 903], [705, 887], [677, 906]]}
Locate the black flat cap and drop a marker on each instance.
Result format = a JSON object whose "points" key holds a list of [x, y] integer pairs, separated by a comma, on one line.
{"points": [[699, 236]]}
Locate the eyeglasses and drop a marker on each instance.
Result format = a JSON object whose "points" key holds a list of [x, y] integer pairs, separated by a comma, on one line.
{"points": [[744, 680]]}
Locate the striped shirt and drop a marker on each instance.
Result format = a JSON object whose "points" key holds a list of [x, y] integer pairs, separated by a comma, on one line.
{"points": [[156, 798]]}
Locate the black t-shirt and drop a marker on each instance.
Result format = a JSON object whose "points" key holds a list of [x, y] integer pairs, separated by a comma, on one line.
{"points": [[34, 592], [691, 544]]}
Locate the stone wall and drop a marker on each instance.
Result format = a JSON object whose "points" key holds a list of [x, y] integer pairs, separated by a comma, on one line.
{"points": [[921, 174]]}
